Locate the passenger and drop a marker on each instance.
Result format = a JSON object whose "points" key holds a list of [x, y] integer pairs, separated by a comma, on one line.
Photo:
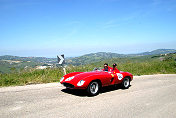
{"points": [[115, 70], [107, 68]]}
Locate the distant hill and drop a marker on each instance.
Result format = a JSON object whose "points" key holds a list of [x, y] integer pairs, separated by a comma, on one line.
{"points": [[93, 57], [81, 60], [10, 63], [99, 56], [33, 59], [158, 51]]}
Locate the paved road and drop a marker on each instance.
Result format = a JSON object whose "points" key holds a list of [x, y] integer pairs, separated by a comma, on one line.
{"points": [[150, 96]]}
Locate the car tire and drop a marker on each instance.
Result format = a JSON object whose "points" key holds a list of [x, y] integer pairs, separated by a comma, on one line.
{"points": [[125, 83], [93, 88]]}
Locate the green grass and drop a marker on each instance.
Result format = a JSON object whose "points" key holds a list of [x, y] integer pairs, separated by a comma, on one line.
{"points": [[146, 68], [30, 77], [136, 66]]}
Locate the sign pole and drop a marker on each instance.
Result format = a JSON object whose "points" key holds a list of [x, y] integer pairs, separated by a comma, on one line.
{"points": [[64, 70]]}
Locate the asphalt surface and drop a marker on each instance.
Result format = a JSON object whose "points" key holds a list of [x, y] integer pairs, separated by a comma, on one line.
{"points": [[150, 96]]}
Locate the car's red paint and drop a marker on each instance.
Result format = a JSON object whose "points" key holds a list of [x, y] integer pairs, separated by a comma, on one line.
{"points": [[106, 78]]}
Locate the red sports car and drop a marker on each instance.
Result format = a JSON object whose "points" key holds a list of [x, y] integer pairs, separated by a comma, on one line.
{"points": [[93, 81]]}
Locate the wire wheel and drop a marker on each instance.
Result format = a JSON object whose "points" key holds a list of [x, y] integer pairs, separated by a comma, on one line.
{"points": [[126, 83], [93, 88]]}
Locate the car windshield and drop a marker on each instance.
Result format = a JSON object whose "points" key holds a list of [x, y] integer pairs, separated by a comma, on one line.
{"points": [[97, 69]]}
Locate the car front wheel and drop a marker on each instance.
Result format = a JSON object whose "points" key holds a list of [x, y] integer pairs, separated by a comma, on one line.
{"points": [[93, 88], [126, 83]]}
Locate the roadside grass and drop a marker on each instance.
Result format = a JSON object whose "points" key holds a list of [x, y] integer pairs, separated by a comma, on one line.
{"points": [[33, 76], [30, 77], [147, 68]]}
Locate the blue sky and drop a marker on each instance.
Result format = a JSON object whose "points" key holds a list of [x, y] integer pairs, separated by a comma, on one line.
{"points": [[76, 27]]}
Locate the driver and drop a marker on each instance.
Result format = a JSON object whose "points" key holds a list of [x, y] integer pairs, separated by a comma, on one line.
{"points": [[115, 70], [107, 68]]}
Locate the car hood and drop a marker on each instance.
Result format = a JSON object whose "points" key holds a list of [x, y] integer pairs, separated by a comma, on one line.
{"points": [[83, 76]]}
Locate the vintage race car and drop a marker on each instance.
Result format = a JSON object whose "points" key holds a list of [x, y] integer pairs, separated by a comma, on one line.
{"points": [[94, 80]]}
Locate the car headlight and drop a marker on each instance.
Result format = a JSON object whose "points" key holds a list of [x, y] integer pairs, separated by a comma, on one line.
{"points": [[61, 79], [70, 78], [80, 83]]}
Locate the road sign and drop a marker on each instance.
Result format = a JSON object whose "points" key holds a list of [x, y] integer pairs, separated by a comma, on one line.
{"points": [[61, 59]]}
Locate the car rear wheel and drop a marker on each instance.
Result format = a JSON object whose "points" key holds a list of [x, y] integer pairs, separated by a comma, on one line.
{"points": [[93, 88], [126, 83]]}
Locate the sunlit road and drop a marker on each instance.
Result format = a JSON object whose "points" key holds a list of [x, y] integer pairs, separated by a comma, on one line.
{"points": [[152, 96]]}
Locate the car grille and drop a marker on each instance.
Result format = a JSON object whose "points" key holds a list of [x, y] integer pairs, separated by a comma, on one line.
{"points": [[67, 85]]}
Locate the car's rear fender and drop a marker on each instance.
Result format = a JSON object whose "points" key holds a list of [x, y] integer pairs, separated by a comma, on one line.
{"points": [[129, 77]]}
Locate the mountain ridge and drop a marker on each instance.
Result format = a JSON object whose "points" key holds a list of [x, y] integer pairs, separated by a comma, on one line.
{"points": [[10, 63], [87, 58], [99, 56]]}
